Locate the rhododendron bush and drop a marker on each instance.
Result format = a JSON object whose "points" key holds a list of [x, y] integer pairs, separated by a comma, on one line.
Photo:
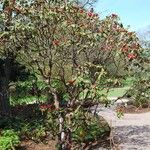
{"points": [[70, 44]]}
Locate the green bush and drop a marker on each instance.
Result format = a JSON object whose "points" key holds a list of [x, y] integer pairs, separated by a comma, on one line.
{"points": [[91, 128], [9, 140], [140, 91]]}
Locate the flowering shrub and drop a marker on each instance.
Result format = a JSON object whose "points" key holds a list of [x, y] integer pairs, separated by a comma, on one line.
{"points": [[70, 45]]}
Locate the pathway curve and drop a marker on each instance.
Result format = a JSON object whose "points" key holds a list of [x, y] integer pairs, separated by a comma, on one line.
{"points": [[132, 131]]}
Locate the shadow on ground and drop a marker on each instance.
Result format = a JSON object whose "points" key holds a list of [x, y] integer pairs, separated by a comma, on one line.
{"points": [[132, 137]]}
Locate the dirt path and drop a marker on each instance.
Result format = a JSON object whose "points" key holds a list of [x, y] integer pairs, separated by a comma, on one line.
{"points": [[132, 131]]}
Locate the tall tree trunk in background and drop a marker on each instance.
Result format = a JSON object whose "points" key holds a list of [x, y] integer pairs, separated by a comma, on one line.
{"points": [[4, 96], [4, 87], [5, 70]]}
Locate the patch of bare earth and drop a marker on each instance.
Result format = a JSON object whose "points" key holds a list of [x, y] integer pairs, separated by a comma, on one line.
{"points": [[30, 145]]}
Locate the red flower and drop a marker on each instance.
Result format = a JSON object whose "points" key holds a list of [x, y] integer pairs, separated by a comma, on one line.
{"points": [[81, 11], [90, 14], [45, 106], [132, 56], [42, 106], [56, 42]]}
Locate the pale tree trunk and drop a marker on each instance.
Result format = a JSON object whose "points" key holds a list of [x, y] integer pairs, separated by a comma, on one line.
{"points": [[62, 134]]}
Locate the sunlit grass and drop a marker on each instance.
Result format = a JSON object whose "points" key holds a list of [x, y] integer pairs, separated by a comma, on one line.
{"points": [[114, 92], [27, 100], [117, 92]]}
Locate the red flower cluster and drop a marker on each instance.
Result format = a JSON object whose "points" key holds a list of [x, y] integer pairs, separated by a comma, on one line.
{"points": [[132, 56], [45, 106], [56, 42], [81, 11], [90, 14]]}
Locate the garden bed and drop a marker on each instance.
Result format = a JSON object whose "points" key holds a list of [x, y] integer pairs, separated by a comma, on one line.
{"points": [[50, 145], [30, 125], [31, 145], [133, 109]]}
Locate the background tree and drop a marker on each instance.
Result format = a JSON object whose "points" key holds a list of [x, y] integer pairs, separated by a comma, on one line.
{"points": [[140, 91], [10, 69]]}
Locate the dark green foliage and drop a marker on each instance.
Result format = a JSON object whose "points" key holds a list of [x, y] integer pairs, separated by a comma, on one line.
{"points": [[16, 70], [30, 123], [140, 90], [92, 128]]}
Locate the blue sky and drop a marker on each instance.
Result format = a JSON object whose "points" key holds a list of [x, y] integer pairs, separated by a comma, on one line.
{"points": [[135, 13]]}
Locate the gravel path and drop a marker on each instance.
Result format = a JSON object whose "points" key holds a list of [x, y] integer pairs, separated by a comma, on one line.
{"points": [[132, 131]]}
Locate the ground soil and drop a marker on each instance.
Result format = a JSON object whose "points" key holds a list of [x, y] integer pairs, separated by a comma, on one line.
{"points": [[133, 109], [31, 145]]}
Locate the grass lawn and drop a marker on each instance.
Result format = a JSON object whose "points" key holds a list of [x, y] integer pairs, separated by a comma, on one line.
{"points": [[116, 92], [27, 100]]}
